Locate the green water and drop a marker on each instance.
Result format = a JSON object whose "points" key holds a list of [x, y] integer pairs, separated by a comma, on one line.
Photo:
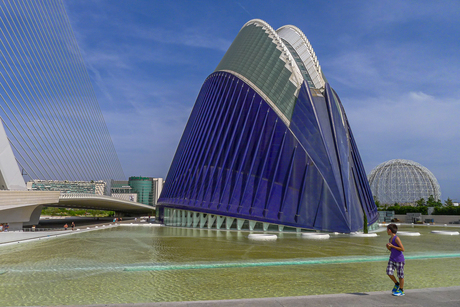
{"points": [[152, 264]]}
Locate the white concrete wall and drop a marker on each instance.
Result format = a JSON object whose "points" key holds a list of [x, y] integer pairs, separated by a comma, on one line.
{"points": [[438, 219], [17, 207]]}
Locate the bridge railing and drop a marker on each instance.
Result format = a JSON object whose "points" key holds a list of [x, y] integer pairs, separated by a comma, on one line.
{"points": [[81, 195]]}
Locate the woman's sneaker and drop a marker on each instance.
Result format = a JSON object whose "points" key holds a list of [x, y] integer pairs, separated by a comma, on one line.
{"points": [[395, 288], [398, 293]]}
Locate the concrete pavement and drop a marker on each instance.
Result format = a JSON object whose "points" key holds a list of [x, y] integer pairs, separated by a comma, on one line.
{"points": [[442, 297], [14, 237]]}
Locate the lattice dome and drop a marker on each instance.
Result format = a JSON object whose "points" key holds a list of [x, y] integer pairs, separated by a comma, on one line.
{"points": [[402, 181]]}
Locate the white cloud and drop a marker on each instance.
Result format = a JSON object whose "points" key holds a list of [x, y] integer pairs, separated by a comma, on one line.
{"points": [[415, 126], [191, 37]]}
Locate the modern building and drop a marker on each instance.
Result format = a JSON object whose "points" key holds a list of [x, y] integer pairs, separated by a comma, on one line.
{"points": [[148, 189], [80, 187], [51, 127], [403, 182], [120, 189], [267, 144]]}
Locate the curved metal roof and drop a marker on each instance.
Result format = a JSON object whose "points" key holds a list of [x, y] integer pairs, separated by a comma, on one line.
{"points": [[274, 63], [300, 43], [259, 57]]}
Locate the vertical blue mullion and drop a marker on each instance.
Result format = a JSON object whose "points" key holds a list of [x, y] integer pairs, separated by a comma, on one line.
{"points": [[212, 143], [193, 141], [302, 191], [219, 144], [178, 163], [203, 134], [209, 106], [365, 197], [183, 163], [288, 181], [267, 153], [329, 99], [230, 142], [184, 160], [254, 158], [209, 144], [358, 185], [319, 203], [274, 174], [238, 145], [232, 138], [360, 167], [240, 169]]}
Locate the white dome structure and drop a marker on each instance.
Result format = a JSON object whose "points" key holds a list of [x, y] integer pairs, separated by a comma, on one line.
{"points": [[402, 181]]}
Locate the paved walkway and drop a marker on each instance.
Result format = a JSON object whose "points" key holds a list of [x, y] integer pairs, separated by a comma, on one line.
{"points": [[14, 237], [443, 297]]}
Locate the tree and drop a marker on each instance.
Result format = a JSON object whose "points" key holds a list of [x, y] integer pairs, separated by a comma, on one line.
{"points": [[431, 202], [365, 229], [376, 201], [449, 202], [420, 202]]}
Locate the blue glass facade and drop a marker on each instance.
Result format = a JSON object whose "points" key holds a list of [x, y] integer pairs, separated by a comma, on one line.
{"points": [[237, 158]]}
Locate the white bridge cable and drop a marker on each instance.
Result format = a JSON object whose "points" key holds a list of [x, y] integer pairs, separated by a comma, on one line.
{"points": [[6, 102], [12, 144], [75, 144], [57, 127], [81, 109], [34, 149], [30, 102], [50, 63], [96, 106], [109, 164], [32, 146], [78, 64], [20, 93], [84, 137], [77, 105], [38, 88], [91, 93]]}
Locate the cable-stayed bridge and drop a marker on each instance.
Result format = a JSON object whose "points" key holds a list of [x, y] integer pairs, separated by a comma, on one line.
{"points": [[20, 208], [51, 124], [47, 104]]}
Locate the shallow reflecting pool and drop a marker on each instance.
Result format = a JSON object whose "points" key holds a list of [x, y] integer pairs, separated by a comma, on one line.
{"points": [[151, 264]]}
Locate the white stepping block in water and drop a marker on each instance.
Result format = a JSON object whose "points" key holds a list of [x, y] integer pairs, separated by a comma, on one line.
{"points": [[445, 232], [408, 233], [315, 235], [363, 235], [262, 237]]}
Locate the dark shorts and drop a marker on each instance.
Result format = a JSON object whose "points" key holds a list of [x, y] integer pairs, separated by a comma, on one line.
{"points": [[398, 266]]}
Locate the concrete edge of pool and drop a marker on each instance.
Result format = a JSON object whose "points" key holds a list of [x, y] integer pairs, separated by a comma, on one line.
{"points": [[16, 237], [448, 296]]}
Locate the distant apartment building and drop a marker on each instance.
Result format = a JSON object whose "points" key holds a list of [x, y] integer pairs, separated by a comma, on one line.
{"points": [[145, 190], [80, 187]]}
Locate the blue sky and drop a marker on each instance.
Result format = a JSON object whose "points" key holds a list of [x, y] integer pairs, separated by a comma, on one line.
{"points": [[394, 64]]}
